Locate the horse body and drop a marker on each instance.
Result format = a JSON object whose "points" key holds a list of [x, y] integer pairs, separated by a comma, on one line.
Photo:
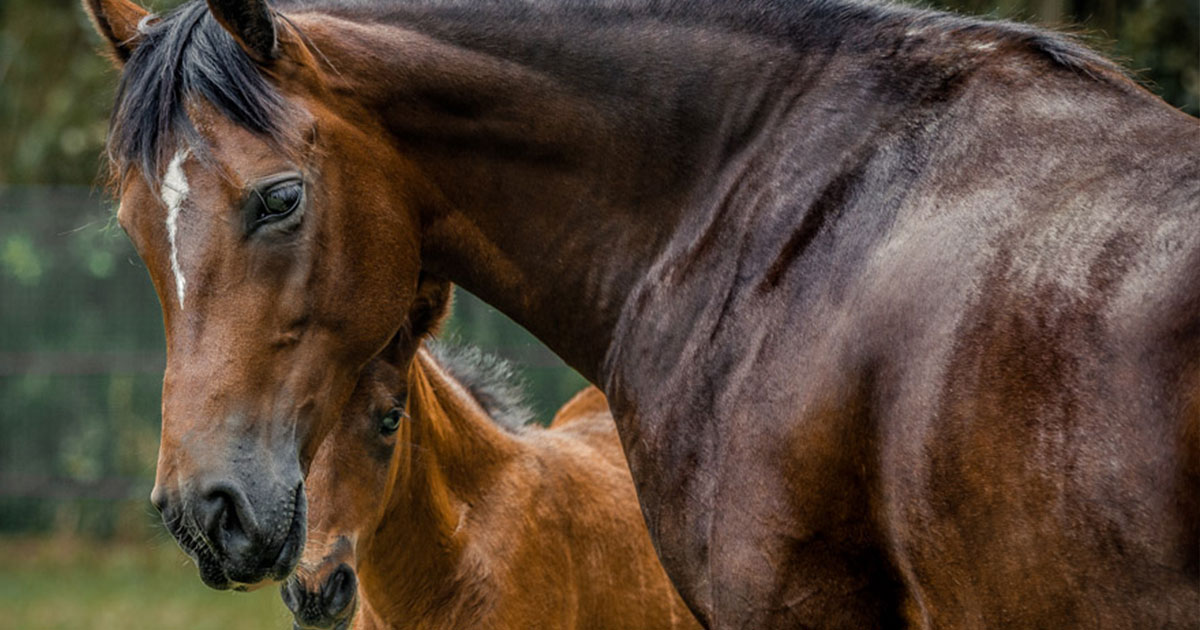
{"points": [[978, 362], [896, 310], [468, 524]]}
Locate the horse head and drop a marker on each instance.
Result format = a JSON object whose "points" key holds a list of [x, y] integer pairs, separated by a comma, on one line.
{"points": [[271, 215]]}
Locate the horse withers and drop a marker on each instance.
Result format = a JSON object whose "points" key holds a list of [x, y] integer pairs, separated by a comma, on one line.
{"points": [[436, 505]]}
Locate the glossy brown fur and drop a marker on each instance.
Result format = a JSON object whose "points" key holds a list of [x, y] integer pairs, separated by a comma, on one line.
{"points": [[897, 312], [218, 341], [456, 522]]}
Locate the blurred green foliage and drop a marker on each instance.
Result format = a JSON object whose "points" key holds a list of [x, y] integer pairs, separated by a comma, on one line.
{"points": [[55, 93]]}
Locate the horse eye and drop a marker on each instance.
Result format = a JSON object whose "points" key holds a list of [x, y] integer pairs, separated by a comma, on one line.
{"points": [[281, 199], [391, 421], [276, 205]]}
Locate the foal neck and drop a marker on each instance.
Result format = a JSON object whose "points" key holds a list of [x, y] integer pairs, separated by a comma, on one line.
{"points": [[417, 564]]}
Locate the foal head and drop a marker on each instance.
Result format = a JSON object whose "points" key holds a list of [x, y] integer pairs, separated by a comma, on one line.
{"points": [[355, 472], [349, 485], [271, 214]]}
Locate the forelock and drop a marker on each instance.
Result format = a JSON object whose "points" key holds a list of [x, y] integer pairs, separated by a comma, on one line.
{"points": [[182, 56]]}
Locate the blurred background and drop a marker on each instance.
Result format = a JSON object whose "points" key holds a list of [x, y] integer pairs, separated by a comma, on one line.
{"points": [[81, 343]]}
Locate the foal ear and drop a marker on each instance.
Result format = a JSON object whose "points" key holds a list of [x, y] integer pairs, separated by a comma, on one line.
{"points": [[117, 22], [429, 309], [431, 306], [252, 24]]}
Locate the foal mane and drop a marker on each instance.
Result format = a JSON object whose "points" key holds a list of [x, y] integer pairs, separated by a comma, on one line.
{"points": [[490, 380], [185, 53]]}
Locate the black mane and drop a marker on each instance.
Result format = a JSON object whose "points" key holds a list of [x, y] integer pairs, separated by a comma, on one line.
{"points": [[490, 380], [182, 55], [186, 54]]}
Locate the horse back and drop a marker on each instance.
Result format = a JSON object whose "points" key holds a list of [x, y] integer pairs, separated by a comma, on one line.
{"points": [[587, 418], [948, 375], [1041, 442]]}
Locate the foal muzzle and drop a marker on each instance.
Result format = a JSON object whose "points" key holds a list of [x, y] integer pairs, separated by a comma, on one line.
{"points": [[329, 607]]}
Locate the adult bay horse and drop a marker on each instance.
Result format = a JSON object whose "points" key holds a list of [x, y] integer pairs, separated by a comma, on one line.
{"points": [[897, 311], [459, 515]]}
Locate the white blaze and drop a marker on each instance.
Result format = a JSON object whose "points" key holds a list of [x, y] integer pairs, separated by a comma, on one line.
{"points": [[174, 192]]}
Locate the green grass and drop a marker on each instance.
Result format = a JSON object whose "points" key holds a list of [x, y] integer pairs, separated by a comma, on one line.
{"points": [[52, 584]]}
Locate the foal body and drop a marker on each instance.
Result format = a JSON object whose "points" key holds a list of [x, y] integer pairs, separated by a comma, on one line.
{"points": [[455, 521]]}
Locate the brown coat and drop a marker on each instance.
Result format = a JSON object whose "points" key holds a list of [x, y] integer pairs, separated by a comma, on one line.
{"points": [[475, 525]]}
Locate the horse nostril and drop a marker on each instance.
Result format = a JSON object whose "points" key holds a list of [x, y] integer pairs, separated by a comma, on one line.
{"points": [[339, 590], [293, 595], [158, 498], [217, 515]]}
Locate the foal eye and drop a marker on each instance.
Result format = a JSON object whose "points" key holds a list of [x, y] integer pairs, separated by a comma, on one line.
{"points": [[391, 421]]}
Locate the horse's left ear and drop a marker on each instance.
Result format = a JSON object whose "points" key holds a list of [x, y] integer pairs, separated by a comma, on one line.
{"points": [[252, 24], [117, 22]]}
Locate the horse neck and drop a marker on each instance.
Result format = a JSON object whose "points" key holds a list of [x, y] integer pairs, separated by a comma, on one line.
{"points": [[414, 566], [560, 154]]}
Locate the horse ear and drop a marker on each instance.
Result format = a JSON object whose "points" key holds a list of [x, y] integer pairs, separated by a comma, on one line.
{"points": [[117, 22], [252, 24]]}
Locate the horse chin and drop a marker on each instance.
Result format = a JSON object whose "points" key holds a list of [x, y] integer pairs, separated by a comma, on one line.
{"points": [[345, 623], [212, 575], [341, 623], [292, 550], [249, 588]]}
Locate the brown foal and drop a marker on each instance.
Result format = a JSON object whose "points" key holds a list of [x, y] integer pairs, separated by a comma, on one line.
{"points": [[460, 517]]}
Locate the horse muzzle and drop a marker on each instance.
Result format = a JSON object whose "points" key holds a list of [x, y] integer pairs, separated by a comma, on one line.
{"points": [[238, 540]]}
